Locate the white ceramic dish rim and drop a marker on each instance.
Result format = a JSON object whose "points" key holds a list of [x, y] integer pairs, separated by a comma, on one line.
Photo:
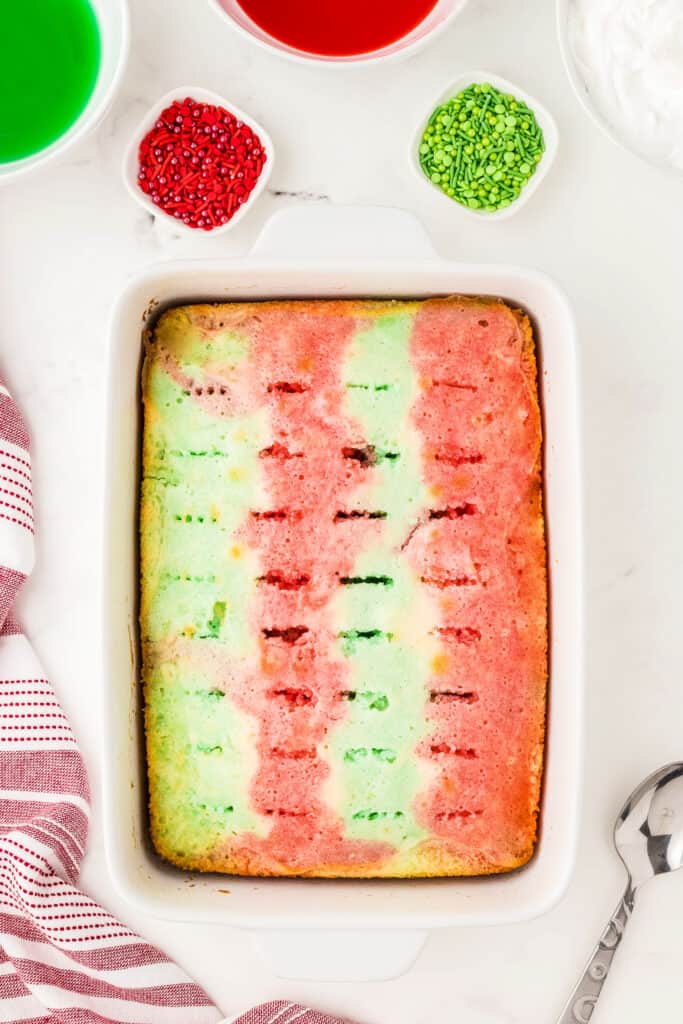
{"points": [[399, 50], [545, 120], [281, 904], [130, 164], [92, 113], [581, 92]]}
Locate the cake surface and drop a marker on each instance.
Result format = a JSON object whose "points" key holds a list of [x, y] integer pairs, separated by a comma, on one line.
{"points": [[343, 595]]}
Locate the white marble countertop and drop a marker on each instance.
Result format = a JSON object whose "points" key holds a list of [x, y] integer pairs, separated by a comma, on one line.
{"points": [[609, 229]]}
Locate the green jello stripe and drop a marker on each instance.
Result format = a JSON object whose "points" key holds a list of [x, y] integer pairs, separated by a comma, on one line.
{"points": [[197, 577], [202, 754], [374, 793], [197, 580]]}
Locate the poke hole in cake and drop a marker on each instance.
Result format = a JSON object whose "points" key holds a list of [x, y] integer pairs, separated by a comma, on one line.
{"points": [[343, 588]]}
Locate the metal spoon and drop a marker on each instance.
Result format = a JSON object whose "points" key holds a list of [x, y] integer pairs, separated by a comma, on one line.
{"points": [[648, 835]]}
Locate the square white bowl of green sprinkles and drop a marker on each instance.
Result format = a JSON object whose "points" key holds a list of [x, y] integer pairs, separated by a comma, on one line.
{"points": [[457, 166]]}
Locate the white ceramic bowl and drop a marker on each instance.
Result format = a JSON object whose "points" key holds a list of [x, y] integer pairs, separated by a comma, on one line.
{"points": [[113, 22], [131, 162], [583, 94], [545, 121], [436, 21]]}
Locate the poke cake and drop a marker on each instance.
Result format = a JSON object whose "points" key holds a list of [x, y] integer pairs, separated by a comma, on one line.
{"points": [[343, 587]]}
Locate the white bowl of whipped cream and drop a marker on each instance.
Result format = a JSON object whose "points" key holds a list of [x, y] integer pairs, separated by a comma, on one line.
{"points": [[624, 59]]}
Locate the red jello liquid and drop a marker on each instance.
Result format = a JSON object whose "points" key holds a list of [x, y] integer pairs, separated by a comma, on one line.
{"points": [[337, 28]]}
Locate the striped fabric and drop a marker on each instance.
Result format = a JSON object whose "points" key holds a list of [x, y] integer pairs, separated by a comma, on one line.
{"points": [[63, 958], [282, 1012]]}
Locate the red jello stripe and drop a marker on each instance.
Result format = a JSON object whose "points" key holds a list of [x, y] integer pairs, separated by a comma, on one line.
{"points": [[476, 449], [307, 548]]}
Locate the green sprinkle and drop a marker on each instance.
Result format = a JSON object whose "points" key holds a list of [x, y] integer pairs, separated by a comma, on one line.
{"points": [[376, 702], [481, 147], [214, 624], [383, 754], [368, 815], [213, 808], [209, 694], [384, 581]]}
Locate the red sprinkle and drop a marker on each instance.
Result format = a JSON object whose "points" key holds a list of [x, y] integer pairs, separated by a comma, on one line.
{"points": [[199, 163]]}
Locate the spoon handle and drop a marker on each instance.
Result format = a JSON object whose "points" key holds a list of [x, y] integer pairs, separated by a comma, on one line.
{"points": [[584, 997]]}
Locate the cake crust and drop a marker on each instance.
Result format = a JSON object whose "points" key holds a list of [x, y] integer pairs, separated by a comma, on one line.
{"points": [[343, 587]]}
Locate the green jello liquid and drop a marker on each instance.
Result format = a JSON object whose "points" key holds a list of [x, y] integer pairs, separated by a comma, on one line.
{"points": [[49, 59]]}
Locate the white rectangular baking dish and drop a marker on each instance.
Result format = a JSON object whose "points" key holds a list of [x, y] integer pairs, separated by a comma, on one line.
{"points": [[378, 926]]}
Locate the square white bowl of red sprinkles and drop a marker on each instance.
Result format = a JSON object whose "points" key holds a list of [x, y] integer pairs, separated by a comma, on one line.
{"points": [[198, 161]]}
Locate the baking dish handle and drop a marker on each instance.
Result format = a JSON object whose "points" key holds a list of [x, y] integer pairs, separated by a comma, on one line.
{"points": [[353, 955], [354, 233]]}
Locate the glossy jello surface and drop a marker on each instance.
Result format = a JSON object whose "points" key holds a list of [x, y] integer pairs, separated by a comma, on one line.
{"points": [[343, 613], [48, 70], [338, 29]]}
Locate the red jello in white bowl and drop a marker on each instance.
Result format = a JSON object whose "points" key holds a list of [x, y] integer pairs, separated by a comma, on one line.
{"points": [[354, 32]]}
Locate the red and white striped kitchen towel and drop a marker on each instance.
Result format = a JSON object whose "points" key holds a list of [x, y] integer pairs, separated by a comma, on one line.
{"points": [[63, 958]]}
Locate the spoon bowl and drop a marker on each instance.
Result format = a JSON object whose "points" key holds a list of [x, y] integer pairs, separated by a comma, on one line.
{"points": [[648, 833]]}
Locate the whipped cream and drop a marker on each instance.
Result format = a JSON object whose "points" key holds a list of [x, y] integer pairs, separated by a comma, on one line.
{"points": [[630, 56]]}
